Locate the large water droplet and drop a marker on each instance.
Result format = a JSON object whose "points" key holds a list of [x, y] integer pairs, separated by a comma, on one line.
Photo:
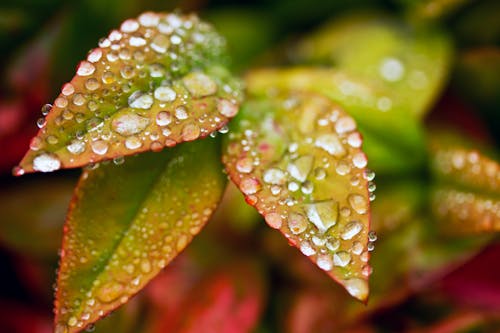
{"points": [[85, 69], [301, 167], [199, 84], [250, 185], [46, 163], [274, 176], [357, 288], [325, 262], [351, 229], [227, 108], [274, 220], [297, 223], [163, 118], [129, 123], [358, 203], [165, 94], [323, 214], [100, 147], [190, 132], [140, 100], [341, 258], [133, 142], [331, 144], [76, 147]]}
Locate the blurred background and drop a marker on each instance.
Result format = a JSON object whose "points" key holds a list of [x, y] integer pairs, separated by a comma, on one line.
{"points": [[430, 273]]}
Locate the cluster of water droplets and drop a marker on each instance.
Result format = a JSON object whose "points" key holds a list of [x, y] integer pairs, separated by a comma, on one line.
{"points": [[154, 82], [316, 189], [165, 224]]}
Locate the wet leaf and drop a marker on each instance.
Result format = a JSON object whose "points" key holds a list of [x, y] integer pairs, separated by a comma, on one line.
{"points": [[297, 159], [466, 197], [413, 64], [393, 140], [127, 222], [157, 81]]}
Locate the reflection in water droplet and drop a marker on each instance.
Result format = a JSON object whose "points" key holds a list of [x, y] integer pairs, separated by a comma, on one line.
{"points": [[190, 132]]}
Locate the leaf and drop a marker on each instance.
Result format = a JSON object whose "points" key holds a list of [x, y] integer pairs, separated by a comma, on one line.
{"points": [[156, 82], [297, 159], [413, 64], [127, 222], [393, 140], [466, 196]]}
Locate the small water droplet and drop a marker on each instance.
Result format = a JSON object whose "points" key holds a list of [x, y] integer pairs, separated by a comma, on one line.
{"points": [[94, 55], [331, 144], [250, 185], [343, 168], [76, 147], [129, 123], [391, 69], [325, 262], [322, 214], [274, 176], [358, 203], [244, 165], [133, 142], [129, 26], [136, 41], [357, 288], [341, 258], [227, 108], [67, 89], [181, 113], [160, 43], [163, 118], [274, 220], [301, 167], [297, 223], [140, 100], [110, 291], [359, 160], [307, 249], [190, 132], [85, 69], [165, 94], [99, 147], [199, 84]]}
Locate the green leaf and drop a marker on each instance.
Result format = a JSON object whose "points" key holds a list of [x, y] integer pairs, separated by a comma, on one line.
{"points": [[413, 64], [127, 222], [156, 82], [298, 161], [466, 196], [394, 141]]}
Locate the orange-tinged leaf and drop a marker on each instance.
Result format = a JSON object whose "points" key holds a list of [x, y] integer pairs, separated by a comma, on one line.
{"points": [[298, 160], [466, 197], [127, 222], [157, 81]]}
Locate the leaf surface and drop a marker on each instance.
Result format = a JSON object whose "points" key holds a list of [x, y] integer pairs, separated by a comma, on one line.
{"points": [[394, 141], [466, 195], [127, 222], [157, 81], [297, 159]]}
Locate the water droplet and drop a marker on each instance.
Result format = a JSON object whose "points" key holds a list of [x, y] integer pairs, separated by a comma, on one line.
{"points": [[46, 163], [274, 176], [127, 72], [149, 19], [176, 40], [129, 123], [357, 248], [110, 292], [165, 94], [324, 262], [293, 186], [369, 175], [68, 89], [160, 43], [78, 99], [391, 69], [118, 160], [182, 242], [301, 167], [100, 147], [341, 258], [318, 241], [181, 113], [145, 266], [199, 84], [94, 55], [333, 244], [163, 118], [244, 165], [357, 288], [61, 102], [351, 229], [129, 26], [319, 173], [85, 69], [297, 223], [140, 100], [226, 108], [72, 321], [307, 249], [46, 109], [372, 236], [384, 104], [331, 144], [274, 220], [358, 203], [345, 124], [354, 140], [343, 168], [250, 185], [137, 41], [133, 142], [359, 160], [190, 132], [323, 214], [76, 147], [108, 77], [41, 122]]}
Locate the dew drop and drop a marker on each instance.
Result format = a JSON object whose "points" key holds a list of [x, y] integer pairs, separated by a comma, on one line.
{"points": [[322, 214], [331, 144], [160, 43], [341, 258], [163, 118], [199, 84], [46, 163], [297, 223], [76, 147], [345, 124], [357, 288], [354, 140], [68, 89], [94, 55], [85, 69], [61, 102], [110, 292], [46, 109], [250, 185], [41, 122], [325, 262], [165, 94], [351, 229], [391, 69], [136, 41], [244, 165], [99, 147], [301, 167], [149, 19], [190, 132], [274, 176], [343, 168], [307, 249], [140, 100], [181, 113], [226, 108], [333, 244], [129, 123], [274, 220], [129, 26], [358, 203], [359, 160], [127, 72], [133, 142]]}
